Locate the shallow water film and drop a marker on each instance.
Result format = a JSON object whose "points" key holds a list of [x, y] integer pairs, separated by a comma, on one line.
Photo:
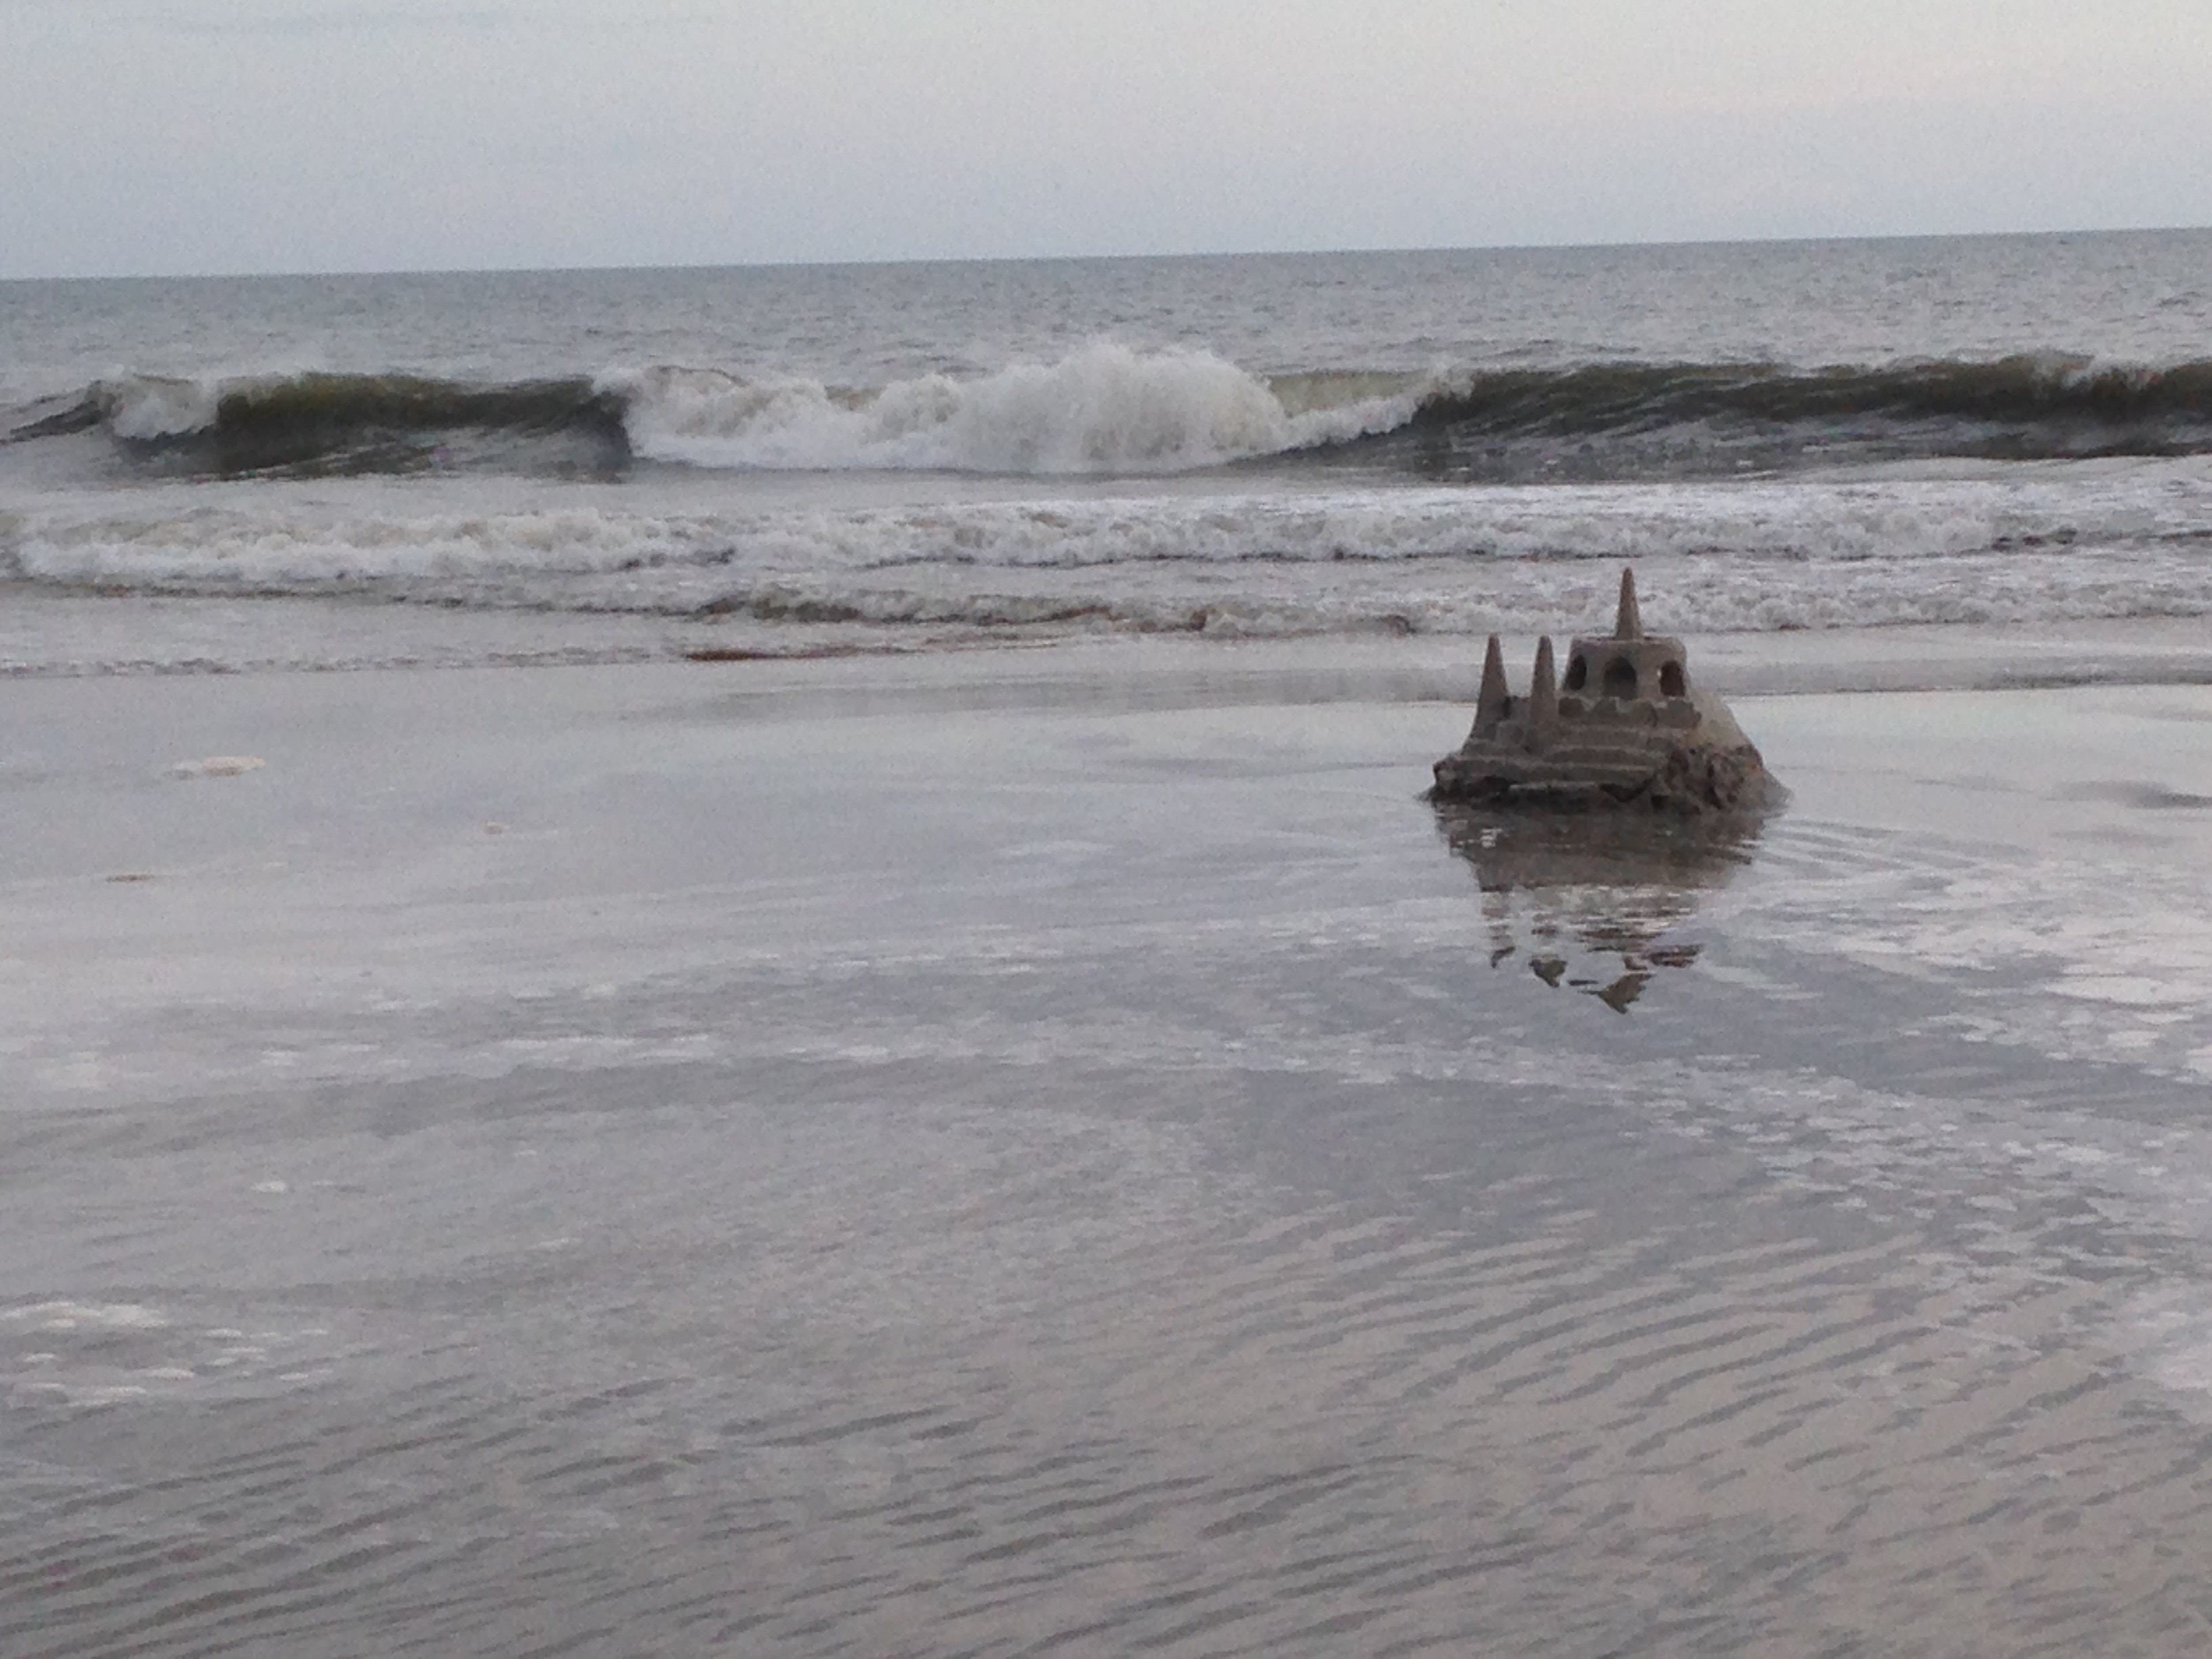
{"points": [[663, 1161]]}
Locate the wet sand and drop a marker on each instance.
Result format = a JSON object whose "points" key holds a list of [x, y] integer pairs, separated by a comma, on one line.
{"points": [[1062, 1153]]}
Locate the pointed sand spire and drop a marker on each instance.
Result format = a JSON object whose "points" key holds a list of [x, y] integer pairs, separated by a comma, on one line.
{"points": [[1628, 622], [1544, 686], [1493, 700]]}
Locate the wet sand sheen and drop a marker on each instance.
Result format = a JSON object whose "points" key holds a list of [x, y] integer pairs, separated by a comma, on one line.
{"points": [[843, 1171]]}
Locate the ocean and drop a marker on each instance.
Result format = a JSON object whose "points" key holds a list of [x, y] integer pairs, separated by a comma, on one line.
{"points": [[710, 963], [617, 464]]}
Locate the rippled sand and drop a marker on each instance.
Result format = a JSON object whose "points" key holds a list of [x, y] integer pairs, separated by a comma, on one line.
{"points": [[911, 1159]]}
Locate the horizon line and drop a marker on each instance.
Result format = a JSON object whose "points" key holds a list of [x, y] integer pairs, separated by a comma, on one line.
{"points": [[897, 262]]}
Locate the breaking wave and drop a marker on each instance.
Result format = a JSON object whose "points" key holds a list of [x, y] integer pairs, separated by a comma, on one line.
{"points": [[1109, 409], [325, 424], [1105, 409], [1639, 419]]}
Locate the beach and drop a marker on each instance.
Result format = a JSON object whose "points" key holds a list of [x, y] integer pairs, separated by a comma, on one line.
{"points": [[749, 961], [1000, 1152]]}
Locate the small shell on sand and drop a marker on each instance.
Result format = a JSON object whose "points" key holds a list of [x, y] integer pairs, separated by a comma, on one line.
{"points": [[218, 766]]}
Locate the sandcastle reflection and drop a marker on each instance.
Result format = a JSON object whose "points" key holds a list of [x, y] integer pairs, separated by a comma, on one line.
{"points": [[1591, 900]]}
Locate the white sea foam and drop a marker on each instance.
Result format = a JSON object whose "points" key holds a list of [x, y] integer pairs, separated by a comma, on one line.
{"points": [[2031, 546], [149, 406], [86, 1315], [292, 544], [1103, 409]]}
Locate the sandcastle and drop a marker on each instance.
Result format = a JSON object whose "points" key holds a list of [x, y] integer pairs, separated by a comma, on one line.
{"points": [[1624, 727]]}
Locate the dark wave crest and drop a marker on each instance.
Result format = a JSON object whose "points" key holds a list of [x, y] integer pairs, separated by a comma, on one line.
{"points": [[323, 424], [1635, 419]]}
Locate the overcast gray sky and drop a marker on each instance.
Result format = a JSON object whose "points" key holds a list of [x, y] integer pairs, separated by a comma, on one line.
{"points": [[147, 136]]}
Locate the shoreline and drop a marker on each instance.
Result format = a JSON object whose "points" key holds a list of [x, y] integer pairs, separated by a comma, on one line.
{"points": [[47, 634], [663, 795]]}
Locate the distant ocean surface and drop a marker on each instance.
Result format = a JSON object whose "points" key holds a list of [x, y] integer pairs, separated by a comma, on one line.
{"points": [[787, 459]]}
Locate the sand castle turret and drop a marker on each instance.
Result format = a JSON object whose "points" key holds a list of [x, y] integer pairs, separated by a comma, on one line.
{"points": [[1623, 725], [1493, 702], [1544, 687]]}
